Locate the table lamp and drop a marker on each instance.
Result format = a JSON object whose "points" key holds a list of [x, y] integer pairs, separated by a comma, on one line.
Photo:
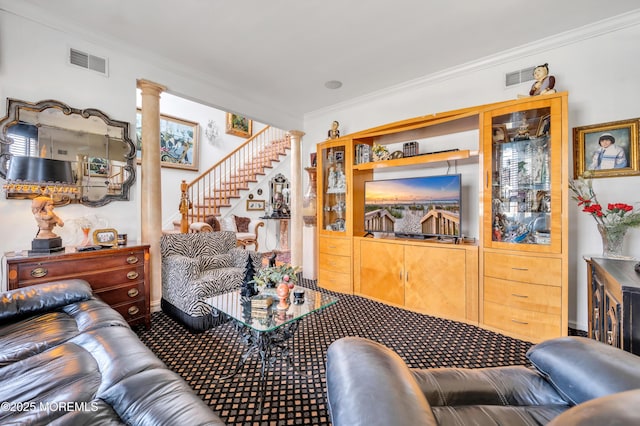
{"points": [[44, 177]]}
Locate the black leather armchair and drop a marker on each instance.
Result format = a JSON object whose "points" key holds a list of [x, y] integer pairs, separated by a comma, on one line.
{"points": [[369, 384], [67, 358]]}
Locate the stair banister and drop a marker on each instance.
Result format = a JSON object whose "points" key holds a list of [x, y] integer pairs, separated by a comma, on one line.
{"points": [[215, 187]]}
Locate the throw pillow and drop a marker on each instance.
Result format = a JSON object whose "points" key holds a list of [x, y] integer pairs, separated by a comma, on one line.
{"points": [[229, 224], [242, 223], [215, 224]]}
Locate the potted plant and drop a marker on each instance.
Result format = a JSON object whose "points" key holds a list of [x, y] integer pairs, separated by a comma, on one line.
{"points": [[271, 276]]}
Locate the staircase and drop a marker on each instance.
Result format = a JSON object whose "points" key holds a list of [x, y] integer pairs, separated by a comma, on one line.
{"points": [[223, 182]]}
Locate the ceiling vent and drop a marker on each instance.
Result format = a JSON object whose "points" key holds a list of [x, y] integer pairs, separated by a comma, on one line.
{"points": [[90, 62], [517, 77]]}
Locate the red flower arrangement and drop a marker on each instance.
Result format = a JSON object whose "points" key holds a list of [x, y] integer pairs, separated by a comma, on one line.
{"points": [[617, 215]]}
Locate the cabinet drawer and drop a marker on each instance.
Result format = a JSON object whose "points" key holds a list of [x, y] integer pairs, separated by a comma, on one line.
{"points": [[339, 247], [335, 263], [335, 281], [528, 269], [122, 294], [33, 272], [535, 325], [132, 311], [99, 278], [532, 297]]}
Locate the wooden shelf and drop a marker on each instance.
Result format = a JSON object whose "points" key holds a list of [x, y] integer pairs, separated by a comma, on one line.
{"points": [[418, 159]]}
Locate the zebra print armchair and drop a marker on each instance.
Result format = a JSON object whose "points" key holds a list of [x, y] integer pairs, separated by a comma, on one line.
{"points": [[196, 266]]}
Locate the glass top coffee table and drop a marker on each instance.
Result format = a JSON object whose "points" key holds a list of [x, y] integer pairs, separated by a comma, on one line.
{"points": [[266, 331]]}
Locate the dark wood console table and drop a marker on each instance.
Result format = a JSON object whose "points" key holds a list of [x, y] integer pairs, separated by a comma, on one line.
{"points": [[119, 276], [614, 302]]}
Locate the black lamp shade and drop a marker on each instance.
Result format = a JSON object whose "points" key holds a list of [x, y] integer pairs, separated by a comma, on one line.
{"points": [[40, 170]]}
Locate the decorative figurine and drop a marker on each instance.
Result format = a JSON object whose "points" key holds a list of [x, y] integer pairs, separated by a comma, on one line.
{"points": [[280, 208], [336, 179], [248, 288], [523, 131], [42, 209], [545, 83], [334, 133]]}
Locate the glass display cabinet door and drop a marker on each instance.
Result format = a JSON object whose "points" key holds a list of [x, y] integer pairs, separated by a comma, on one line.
{"points": [[523, 204], [334, 189]]}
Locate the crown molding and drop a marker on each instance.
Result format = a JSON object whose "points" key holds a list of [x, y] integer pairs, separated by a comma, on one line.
{"points": [[566, 38], [260, 105]]}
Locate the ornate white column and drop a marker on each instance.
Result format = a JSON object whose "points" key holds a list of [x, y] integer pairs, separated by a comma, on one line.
{"points": [[296, 198], [151, 184]]}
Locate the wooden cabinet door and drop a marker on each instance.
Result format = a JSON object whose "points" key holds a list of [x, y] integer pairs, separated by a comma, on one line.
{"points": [[525, 195], [382, 271], [435, 281]]}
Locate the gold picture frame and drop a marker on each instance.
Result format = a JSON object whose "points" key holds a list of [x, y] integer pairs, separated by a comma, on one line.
{"points": [[544, 126], [593, 160], [107, 237], [255, 205], [179, 142], [500, 134], [238, 125]]}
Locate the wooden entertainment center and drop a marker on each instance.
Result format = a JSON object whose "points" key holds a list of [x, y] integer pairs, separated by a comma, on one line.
{"points": [[510, 275]]}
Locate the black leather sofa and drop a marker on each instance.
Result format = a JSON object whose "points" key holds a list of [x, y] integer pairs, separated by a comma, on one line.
{"points": [[572, 381], [69, 359]]}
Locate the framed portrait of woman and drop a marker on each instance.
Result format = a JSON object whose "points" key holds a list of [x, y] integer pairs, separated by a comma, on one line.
{"points": [[607, 149]]}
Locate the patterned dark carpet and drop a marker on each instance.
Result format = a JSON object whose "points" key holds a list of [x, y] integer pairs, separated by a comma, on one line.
{"points": [[294, 399]]}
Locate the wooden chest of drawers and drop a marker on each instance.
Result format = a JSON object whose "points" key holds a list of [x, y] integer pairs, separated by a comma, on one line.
{"points": [[119, 276], [523, 295], [334, 272]]}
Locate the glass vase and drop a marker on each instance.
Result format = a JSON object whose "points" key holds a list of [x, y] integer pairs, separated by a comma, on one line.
{"points": [[85, 234], [309, 200], [612, 240]]}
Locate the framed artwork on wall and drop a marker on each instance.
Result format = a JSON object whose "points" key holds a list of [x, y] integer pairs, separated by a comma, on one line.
{"points": [[179, 145], [606, 150], [255, 204], [239, 126]]}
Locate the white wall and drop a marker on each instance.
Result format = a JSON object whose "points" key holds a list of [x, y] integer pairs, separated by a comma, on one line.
{"points": [[33, 67], [599, 67]]}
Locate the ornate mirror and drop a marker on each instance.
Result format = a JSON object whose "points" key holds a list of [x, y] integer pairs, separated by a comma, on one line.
{"points": [[99, 148], [279, 199]]}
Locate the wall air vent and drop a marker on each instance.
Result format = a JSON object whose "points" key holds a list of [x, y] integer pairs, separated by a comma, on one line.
{"points": [[517, 77], [90, 62]]}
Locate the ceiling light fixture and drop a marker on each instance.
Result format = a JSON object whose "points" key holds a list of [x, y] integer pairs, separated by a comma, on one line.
{"points": [[333, 84]]}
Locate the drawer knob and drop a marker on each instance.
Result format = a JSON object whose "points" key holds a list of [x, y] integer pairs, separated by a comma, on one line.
{"points": [[519, 322], [132, 260], [523, 296], [133, 292], [132, 275], [39, 272], [520, 269], [133, 310]]}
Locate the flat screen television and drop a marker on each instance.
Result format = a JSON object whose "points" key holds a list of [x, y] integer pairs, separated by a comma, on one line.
{"points": [[415, 207]]}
